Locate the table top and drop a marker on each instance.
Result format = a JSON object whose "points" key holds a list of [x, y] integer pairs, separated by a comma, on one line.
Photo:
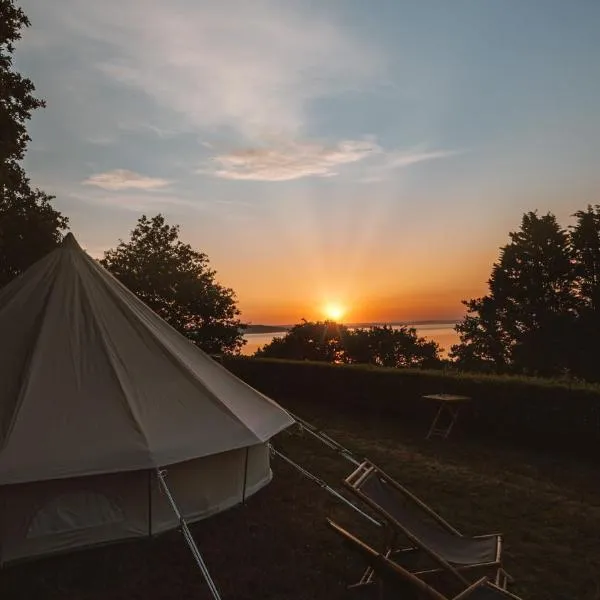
{"points": [[447, 398]]}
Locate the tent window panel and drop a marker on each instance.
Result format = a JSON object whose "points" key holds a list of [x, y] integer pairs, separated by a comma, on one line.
{"points": [[74, 511]]}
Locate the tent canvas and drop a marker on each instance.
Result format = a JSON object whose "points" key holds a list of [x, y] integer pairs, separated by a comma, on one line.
{"points": [[97, 392]]}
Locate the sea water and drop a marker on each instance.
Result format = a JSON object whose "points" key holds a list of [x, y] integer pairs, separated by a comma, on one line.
{"points": [[443, 334]]}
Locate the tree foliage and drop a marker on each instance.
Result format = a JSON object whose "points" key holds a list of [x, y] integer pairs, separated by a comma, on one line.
{"points": [[308, 340], [29, 228], [177, 283], [585, 243], [17, 101], [328, 341], [388, 347], [541, 314], [29, 225]]}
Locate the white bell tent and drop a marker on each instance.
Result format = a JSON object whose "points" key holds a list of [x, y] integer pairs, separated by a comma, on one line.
{"points": [[97, 395]]}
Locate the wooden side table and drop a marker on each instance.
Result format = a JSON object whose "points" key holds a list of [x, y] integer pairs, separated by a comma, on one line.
{"points": [[449, 406]]}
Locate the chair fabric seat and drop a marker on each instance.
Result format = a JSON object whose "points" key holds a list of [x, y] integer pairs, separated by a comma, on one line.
{"points": [[457, 550]]}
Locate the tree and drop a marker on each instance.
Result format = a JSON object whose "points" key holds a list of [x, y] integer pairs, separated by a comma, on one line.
{"points": [[328, 341], [176, 282], [29, 226], [524, 323], [16, 94], [585, 243], [389, 347], [484, 346], [308, 340]]}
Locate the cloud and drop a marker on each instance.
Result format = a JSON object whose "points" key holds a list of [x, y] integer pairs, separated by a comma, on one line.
{"points": [[294, 160], [401, 159], [121, 179], [138, 202], [245, 67], [290, 161], [102, 140], [398, 160]]}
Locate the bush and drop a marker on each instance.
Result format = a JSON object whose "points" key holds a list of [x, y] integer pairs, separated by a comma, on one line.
{"points": [[557, 416]]}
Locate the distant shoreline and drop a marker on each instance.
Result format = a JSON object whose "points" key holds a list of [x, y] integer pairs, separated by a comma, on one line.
{"points": [[281, 328]]}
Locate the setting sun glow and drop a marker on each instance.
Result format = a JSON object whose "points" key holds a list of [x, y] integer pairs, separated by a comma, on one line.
{"points": [[334, 311]]}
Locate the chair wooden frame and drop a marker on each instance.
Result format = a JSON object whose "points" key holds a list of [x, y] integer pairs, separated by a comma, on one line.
{"points": [[465, 573], [394, 574]]}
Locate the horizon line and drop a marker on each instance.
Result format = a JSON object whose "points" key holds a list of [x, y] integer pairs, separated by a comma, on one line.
{"points": [[356, 323]]}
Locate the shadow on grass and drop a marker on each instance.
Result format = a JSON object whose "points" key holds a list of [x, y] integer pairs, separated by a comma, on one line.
{"points": [[278, 546]]}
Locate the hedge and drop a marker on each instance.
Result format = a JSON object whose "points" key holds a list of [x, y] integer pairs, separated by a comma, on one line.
{"points": [[556, 416]]}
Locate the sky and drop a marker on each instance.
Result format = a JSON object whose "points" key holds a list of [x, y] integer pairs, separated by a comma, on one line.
{"points": [[368, 155]]}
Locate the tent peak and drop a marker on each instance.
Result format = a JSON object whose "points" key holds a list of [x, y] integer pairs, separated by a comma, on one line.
{"points": [[69, 241]]}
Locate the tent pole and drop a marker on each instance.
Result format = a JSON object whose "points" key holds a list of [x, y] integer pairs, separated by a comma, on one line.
{"points": [[245, 477], [187, 534], [324, 485], [149, 503]]}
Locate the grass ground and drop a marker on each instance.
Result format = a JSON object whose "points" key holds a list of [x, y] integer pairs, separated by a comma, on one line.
{"points": [[278, 546]]}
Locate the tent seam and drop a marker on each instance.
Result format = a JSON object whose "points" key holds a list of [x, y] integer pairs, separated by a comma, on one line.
{"points": [[26, 371], [169, 355], [101, 330]]}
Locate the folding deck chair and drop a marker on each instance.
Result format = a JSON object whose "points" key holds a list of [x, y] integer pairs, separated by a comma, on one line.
{"points": [[434, 545], [396, 580]]}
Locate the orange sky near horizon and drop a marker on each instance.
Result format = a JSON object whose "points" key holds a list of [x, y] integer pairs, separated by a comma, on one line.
{"points": [[404, 285], [422, 307], [422, 293]]}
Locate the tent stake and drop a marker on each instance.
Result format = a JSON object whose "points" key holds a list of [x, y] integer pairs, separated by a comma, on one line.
{"points": [[187, 534]]}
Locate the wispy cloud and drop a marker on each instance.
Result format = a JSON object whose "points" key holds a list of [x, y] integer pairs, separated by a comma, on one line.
{"points": [[247, 67], [399, 160], [102, 140], [138, 201], [121, 179], [294, 160], [291, 161], [232, 203]]}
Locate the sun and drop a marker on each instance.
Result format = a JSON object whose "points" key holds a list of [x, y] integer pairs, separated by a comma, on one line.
{"points": [[334, 311]]}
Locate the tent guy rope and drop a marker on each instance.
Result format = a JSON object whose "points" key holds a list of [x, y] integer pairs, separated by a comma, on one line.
{"points": [[325, 439], [322, 484], [187, 534]]}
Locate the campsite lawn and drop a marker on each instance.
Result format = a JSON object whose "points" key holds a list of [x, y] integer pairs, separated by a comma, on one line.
{"points": [[278, 545]]}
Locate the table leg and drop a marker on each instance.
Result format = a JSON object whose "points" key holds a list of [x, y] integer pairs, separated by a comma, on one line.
{"points": [[441, 430], [453, 417], [433, 430]]}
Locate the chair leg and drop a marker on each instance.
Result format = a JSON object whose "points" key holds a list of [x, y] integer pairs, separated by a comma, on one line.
{"points": [[367, 576]]}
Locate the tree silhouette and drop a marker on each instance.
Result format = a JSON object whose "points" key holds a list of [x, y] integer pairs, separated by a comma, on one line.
{"points": [[29, 225], [389, 347], [524, 322], [176, 282], [585, 242], [329, 341], [308, 340]]}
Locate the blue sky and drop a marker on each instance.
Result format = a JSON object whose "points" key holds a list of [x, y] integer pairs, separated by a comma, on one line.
{"points": [[374, 154]]}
